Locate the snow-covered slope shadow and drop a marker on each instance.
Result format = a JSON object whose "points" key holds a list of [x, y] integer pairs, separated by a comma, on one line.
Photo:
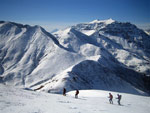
{"points": [[90, 74]]}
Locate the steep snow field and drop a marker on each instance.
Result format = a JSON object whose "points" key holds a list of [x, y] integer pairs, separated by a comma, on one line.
{"points": [[16, 100]]}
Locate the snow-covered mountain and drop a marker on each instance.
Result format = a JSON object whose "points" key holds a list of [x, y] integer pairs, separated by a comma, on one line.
{"points": [[107, 55], [30, 54], [124, 41]]}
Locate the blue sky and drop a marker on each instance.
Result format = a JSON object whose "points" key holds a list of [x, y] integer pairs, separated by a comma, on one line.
{"points": [[53, 14]]}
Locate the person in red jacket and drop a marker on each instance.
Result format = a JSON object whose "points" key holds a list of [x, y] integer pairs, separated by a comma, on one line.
{"points": [[76, 94], [110, 98]]}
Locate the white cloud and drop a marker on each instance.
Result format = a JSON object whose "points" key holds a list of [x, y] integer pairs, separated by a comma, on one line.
{"points": [[143, 26]]}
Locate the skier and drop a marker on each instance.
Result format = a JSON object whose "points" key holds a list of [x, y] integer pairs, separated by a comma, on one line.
{"points": [[64, 91], [110, 98], [119, 98], [76, 94]]}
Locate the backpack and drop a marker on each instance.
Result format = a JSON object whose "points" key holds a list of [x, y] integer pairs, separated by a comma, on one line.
{"points": [[111, 96], [119, 97], [77, 92]]}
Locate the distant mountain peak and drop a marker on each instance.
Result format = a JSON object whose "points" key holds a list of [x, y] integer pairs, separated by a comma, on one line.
{"points": [[108, 21]]}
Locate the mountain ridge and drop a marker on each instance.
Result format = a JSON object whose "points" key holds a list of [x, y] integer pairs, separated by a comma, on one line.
{"points": [[45, 59]]}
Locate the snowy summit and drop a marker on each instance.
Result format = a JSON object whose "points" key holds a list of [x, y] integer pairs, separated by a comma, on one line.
{"points": [[108, 21]]}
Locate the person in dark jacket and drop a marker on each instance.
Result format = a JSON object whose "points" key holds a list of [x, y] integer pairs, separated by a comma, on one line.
{"points": [[110, 98], [64, 91], [76, 94], [119, 98]]}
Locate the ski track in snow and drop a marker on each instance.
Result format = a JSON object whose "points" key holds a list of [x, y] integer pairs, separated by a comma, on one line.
{"points": [[15, 100]]}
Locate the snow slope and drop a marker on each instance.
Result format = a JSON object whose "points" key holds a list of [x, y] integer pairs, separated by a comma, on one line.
{"points": [[121, 38], [90, 74], [29, 54], [113, 52], [14, 100]]}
